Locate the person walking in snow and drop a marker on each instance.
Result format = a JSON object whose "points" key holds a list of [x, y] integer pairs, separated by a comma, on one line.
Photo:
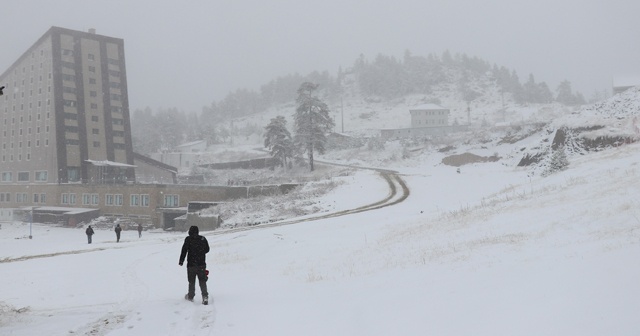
{"points": [[118, 229], [89, 233], [195, 248], [139, 230]]}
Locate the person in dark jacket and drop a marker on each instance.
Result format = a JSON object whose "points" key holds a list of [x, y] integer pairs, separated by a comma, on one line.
{"points": [[139, 230], [195, 248], [118, 229], [89, 232]]}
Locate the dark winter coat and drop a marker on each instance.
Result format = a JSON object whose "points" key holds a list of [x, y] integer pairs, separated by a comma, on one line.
{"points": [[195, 248], [139, 228], [89, 231], [118, 229]]}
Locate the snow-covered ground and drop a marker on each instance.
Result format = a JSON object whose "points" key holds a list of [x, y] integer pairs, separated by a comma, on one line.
{"points": [[489, 251]]}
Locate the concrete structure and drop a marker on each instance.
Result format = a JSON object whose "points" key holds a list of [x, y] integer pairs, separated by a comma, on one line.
{"points": [[65, 108], [65, 139]]}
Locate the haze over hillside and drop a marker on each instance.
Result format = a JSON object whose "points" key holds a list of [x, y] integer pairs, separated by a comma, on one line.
{"points": [[381, 89]]}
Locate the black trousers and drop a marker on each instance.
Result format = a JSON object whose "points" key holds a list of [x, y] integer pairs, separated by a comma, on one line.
{"points": [[199, 272]]}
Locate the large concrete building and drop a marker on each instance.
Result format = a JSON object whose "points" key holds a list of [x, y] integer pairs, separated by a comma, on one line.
{"points": [[66, 152], [65, 111]]}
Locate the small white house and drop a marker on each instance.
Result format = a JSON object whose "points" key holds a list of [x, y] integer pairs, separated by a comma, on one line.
{"points": [[429, 115], [426, 120]]}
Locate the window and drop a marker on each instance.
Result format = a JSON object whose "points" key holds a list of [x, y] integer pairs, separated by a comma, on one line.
{"points": [[135, 200], [72, 198], [92, 69], [95, 199], [41, 176], [70, 103], [118, 199], [144, 200], [86, 199], [95, 131], [91, 57], [73, 173], [7, 177], [171, 200], [108, 199], [43, 198], [96, 144], [64, 199], [94, 118], [36, 198], [23, 176]]}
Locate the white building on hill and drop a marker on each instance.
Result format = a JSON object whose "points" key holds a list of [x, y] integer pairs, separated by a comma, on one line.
{"points": [[426, 120]]}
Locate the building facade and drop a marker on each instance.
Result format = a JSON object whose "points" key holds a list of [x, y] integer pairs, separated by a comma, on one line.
{"points": [[65, 139], [426, 120], [429, 115], [65, 108]]}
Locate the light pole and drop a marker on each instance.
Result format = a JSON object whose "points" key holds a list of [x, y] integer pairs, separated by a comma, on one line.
{"points": [[30, 223]]}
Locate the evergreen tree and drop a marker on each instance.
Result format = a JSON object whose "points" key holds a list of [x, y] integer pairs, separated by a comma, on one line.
{"points": [[558, 161], [564, 93], [312, 122], [278, 140]]}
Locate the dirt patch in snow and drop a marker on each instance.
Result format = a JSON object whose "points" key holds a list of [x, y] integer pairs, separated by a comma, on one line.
{"points": [[467, 158]]}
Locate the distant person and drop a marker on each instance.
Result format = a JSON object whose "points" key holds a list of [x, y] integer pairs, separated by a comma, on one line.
{"points": [[139, 230], [118, 229], [195, 248], [89, 233]]}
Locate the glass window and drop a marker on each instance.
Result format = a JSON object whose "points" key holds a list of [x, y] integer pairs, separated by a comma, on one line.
{"points": [[23, 177]]}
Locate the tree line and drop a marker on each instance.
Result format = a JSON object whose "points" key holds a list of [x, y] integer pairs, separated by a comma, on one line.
{"points": [[384, 76]]}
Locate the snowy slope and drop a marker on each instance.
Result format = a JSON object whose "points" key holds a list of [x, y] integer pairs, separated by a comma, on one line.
{"points": [[489, 251]]}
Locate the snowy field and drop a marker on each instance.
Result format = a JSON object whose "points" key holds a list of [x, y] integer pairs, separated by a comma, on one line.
{"points": [[488, 251]]}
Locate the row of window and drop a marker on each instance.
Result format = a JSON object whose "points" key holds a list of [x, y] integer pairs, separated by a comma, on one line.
{"points": [[23, 198], [432, 112], [39, 176], [141, 200], [433, 122]]}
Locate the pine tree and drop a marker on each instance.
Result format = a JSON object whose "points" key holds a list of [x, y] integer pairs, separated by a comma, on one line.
{"points": [[312, 122], [278, 140], [558, 161]]}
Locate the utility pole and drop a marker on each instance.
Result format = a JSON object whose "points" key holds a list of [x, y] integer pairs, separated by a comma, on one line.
{"points": [[342, 113]]}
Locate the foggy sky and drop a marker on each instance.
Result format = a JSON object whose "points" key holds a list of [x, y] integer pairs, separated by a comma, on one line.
{"points": [[186, 54]]}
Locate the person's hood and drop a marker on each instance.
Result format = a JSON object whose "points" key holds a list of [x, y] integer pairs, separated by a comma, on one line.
{"points": [[193, 231]]}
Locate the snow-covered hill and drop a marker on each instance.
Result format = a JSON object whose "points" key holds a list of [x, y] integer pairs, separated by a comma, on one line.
{"points": [[491, 250]]}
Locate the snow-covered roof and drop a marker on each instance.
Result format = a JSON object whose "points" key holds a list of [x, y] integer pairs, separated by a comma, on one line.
{"points": [[428, 107], [197, 142], [105, 163]]}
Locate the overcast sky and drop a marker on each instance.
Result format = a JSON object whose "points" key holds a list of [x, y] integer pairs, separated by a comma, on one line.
{"points": [[186, 54]]}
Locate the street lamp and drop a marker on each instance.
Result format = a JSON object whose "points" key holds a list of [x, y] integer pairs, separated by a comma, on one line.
{"points": [[30, 223]]}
